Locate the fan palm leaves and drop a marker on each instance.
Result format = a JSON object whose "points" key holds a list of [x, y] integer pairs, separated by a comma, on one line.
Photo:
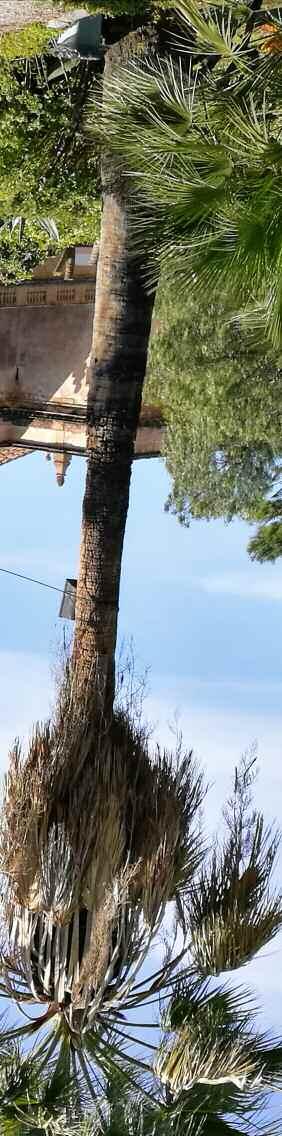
{"points": [[200, 138], [218, 30], [232, 911], [33, 1097], [40, 1099], [215, 1063]]}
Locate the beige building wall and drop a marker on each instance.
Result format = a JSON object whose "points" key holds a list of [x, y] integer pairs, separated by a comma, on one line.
{"points": [[45, 342]]}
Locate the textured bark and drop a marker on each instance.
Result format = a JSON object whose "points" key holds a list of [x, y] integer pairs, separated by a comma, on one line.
{"points": [[122, 322]]}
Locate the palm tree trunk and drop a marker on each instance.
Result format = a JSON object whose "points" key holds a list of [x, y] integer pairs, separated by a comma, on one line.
{"points": [[122, 322]]}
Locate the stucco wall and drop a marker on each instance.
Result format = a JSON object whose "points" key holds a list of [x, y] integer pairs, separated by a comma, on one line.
{"points": [[45, 342], [43, 354]]}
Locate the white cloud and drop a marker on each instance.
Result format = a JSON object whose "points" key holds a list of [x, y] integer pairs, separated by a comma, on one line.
{"points": [[256, 584]]}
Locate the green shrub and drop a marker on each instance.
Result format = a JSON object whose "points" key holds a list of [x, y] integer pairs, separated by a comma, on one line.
{"points": [[25, 43], [46, 166], [17, 259]]}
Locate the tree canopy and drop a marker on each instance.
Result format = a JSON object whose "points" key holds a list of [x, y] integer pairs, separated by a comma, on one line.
{"points": [[46, 165], [222, 397], [218, 1068], [266, 544]]}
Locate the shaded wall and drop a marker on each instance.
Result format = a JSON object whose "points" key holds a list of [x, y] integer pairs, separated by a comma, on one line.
{"points": [[44, 346]]}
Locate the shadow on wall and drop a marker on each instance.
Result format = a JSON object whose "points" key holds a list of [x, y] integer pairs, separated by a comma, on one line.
{"points": [[46, 331]]}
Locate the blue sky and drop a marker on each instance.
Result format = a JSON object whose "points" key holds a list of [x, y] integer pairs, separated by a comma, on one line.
{"points": [[204, 619]]}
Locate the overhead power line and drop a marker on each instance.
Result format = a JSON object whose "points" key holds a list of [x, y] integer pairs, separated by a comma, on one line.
{"points": [[41, 583]]}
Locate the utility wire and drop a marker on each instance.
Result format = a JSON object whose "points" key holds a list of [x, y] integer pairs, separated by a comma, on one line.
{"points": [[30, 579]]}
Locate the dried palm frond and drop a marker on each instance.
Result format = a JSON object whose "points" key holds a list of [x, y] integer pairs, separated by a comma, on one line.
{"points": [[78, 965], [269, 39], [232, 913], [89, 800], [186, 1064], [225, 942]]}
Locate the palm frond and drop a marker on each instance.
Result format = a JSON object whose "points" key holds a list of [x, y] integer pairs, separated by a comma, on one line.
{"points": [[214, 34], [215, 1044], [33, 1097], [200, 148], [232, 914], [227, 942]]}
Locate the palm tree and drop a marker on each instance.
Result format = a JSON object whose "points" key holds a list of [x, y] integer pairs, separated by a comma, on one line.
{"points": [[92, 855], [201, 147], [97, 836], [218, 1068]]}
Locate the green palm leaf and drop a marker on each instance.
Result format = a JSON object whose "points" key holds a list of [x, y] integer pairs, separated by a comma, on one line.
{"points": [[33, 1098], [214, 34], [201, 149]]}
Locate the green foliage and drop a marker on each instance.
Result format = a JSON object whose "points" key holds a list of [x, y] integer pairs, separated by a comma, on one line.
{"points": [[222, 397], [18, 258], [217, 1066], [33, 1097], [46, 166], [267, 542], [25, 43], [201, 146], [118, 7]]}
